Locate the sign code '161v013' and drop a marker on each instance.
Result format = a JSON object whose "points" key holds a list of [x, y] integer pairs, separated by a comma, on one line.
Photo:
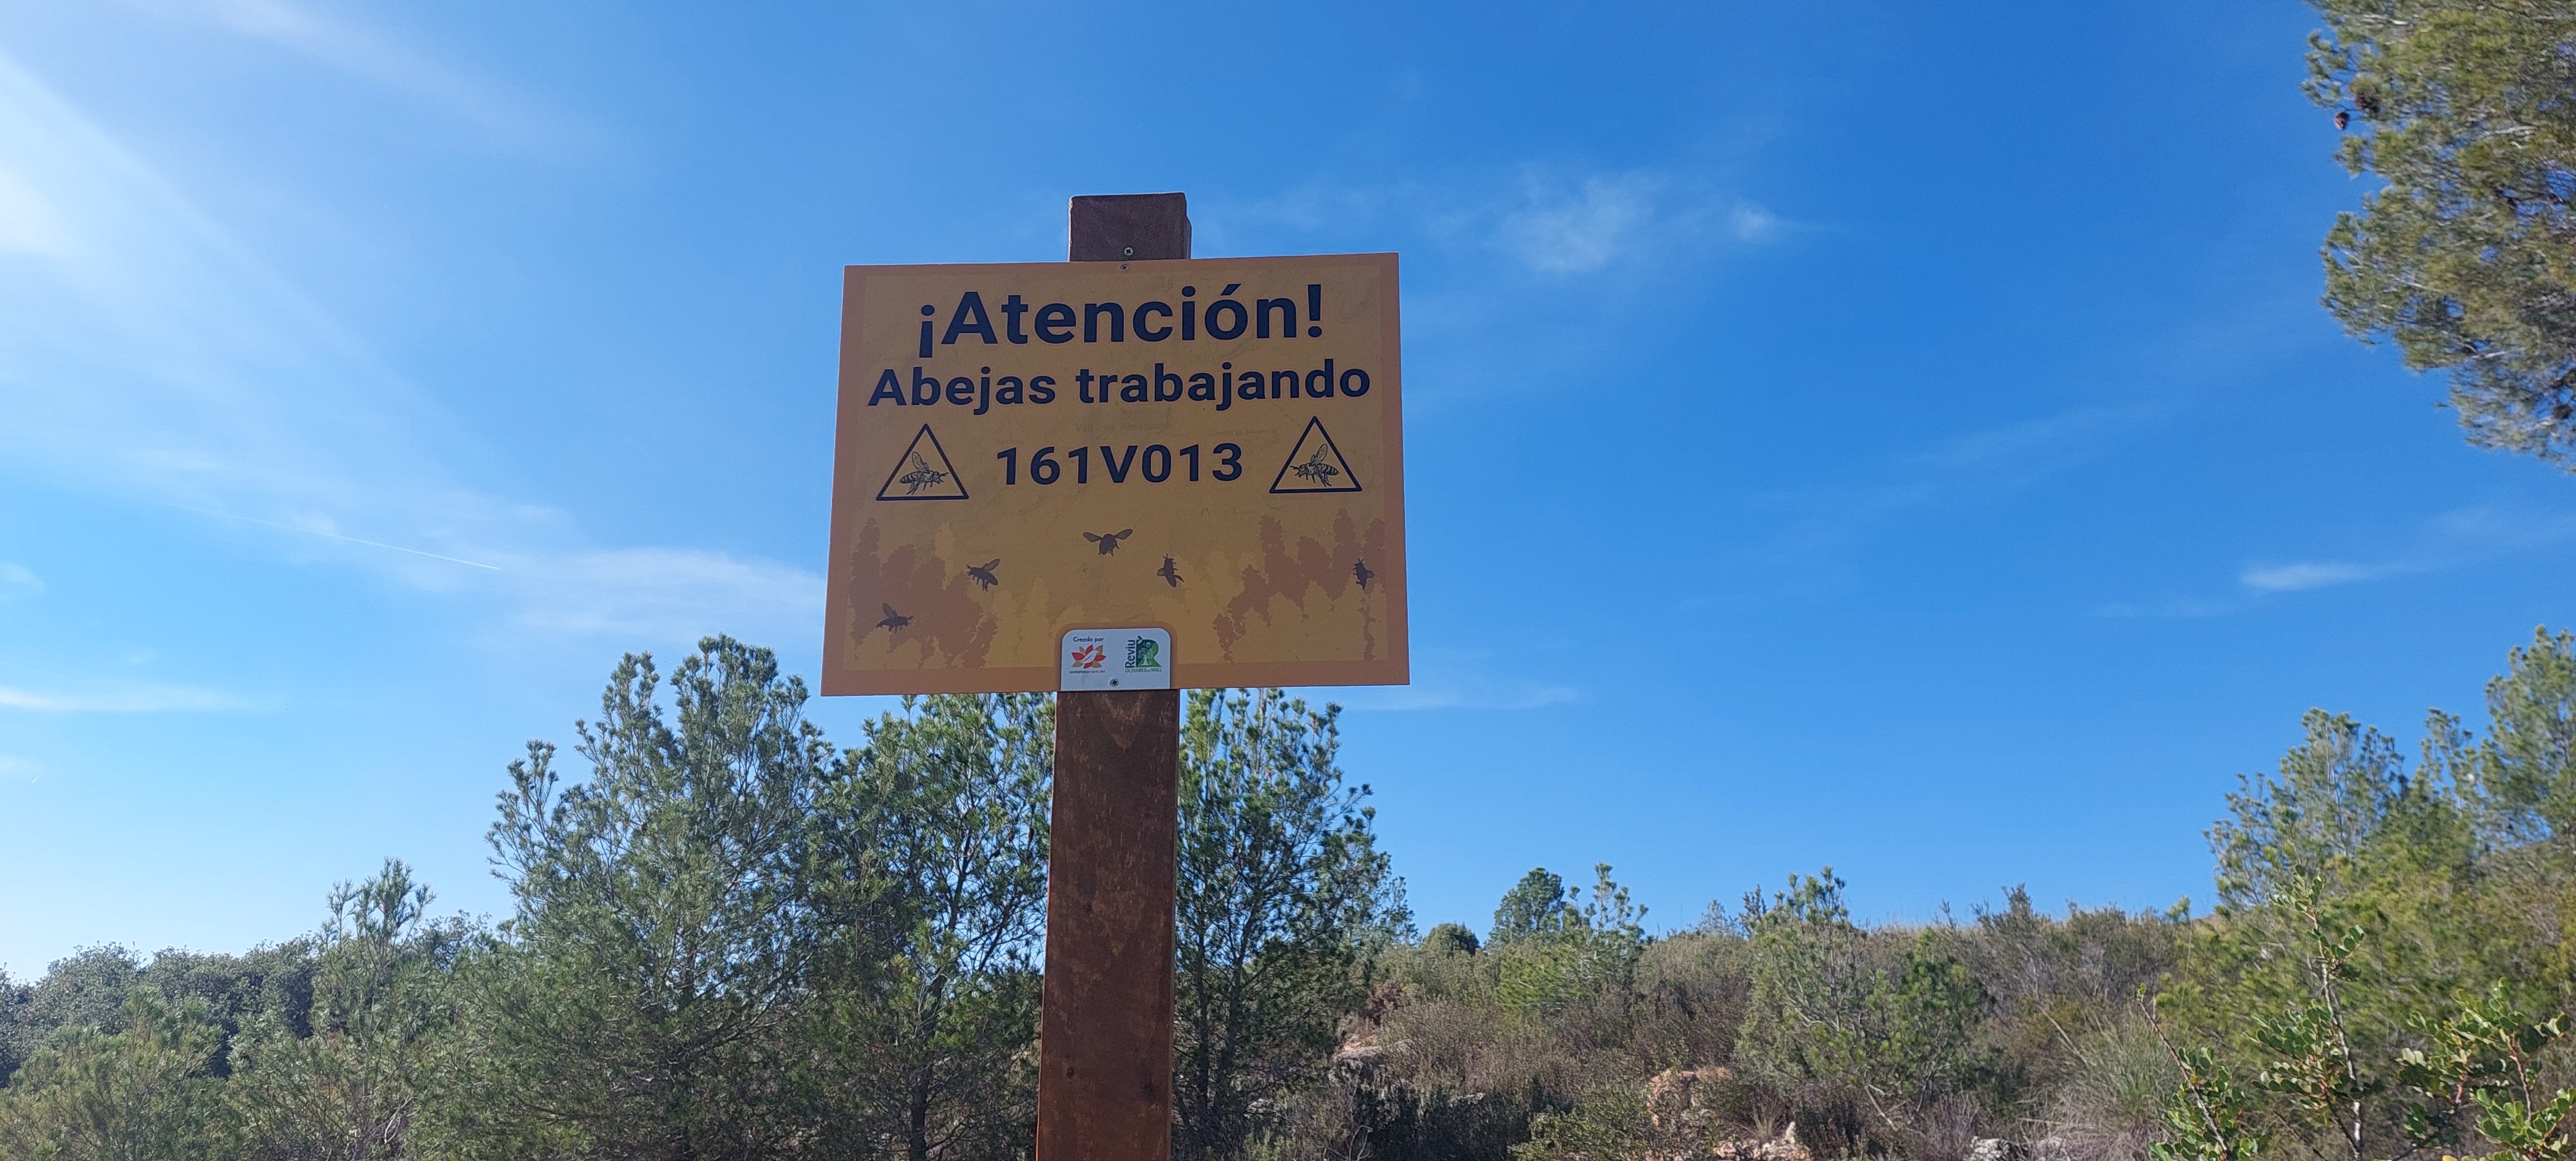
{"points": [[1211, 447]]}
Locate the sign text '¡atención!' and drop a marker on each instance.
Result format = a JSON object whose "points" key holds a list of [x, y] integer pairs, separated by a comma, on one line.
{"points": [[1224, 318]]}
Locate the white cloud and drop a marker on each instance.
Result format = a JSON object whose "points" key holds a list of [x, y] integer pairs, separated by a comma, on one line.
{"points": [[1544, 218], [17, 768], [125, 699], [1752, 223], [2305, 575], [1576, 226], [2458, 538], [1577, 230], [16, 581]]}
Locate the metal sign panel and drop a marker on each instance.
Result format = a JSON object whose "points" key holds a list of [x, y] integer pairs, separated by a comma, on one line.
{"points": [[1210, 447]]}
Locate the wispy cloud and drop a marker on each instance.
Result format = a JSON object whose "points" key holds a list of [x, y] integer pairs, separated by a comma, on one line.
{"points": [[2183, 607], [147, 345], [667, 593], [1969, 467], [497, 110], [123, 699], [146, 352], [2460, 538], [17, 768], [1453, 680], [2032, 448], [18, 581], [326, 533], [1544, 219]]}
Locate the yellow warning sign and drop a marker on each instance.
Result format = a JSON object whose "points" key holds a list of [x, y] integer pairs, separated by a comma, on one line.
{"points": [[1211, 447]]}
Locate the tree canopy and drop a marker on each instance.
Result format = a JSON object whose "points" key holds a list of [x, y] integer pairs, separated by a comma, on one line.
{"points": [[2466, 256]]}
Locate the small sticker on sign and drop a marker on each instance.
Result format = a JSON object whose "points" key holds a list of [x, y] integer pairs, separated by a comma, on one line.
{"points": [[1115, 659]]}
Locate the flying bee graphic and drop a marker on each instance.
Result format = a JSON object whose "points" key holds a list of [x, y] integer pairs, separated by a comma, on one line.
{"points": [[1315, 470], [1170, 572], [893, 620], [921, 476], [1361, 572], [1109, 544], [983, 573]]}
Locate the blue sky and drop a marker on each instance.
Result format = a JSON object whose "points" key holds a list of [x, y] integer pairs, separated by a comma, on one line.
{"points": [[1902, 437]]}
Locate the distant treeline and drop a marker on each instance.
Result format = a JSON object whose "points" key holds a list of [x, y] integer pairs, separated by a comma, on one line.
{"points": [[733, 939]]}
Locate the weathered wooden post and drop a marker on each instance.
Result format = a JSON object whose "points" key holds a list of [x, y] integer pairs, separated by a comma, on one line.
{"points": [[1105, 1053], [1105, 1038]]}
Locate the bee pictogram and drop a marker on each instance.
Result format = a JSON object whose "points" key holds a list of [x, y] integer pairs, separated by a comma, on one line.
{"points": [[893, 620], [1170, 572], [921, 476], [1109, 544], [1360, 572], [983, 573], [1315, 470]]}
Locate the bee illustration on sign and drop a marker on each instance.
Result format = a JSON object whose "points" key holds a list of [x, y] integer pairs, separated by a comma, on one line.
{"points": [[893, 620], [921, 476], [982, 574], [1360, 572], [1109, 544], [1314, 470], [1170, 572]]}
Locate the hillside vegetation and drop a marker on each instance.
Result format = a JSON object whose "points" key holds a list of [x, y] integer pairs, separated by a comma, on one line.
{"points": [[734, 939]]}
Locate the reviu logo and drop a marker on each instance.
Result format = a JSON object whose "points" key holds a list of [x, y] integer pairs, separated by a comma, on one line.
{"points": [[1144, 653]]}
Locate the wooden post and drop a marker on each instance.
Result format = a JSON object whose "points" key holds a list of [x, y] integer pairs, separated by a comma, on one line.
{"points": [[1105, 1033]]}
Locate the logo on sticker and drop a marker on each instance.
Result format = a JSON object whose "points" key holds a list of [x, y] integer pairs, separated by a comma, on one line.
{"points": [[1144, 653], [1090, 656]]}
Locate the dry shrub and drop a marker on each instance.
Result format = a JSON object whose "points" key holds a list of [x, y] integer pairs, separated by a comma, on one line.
{"points": [[2108, 1106]]}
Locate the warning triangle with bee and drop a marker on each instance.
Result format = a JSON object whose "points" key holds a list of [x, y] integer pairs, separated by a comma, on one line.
{"points": [[1315, 465], [923, 473]]}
